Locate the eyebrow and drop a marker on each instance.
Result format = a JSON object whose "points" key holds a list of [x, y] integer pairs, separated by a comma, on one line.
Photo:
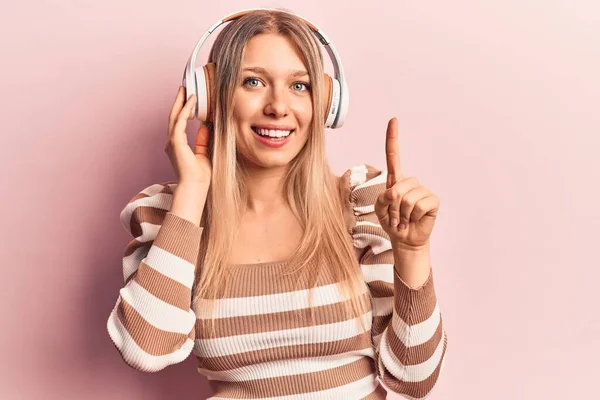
{"points": [[260, 70]]}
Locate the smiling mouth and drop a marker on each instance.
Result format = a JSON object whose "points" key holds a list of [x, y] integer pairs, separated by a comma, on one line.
{"points": [[263, 133]]}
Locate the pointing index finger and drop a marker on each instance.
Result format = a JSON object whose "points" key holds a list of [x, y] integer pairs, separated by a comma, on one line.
{"points": [[392, 153]]}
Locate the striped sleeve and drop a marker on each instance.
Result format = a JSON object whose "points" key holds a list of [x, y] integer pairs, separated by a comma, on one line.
{"points": [[408, 336], [152, 323]]}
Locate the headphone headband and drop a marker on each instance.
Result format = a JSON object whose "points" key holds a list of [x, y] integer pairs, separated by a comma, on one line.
{"points": [[320, 35], [340, 98]]}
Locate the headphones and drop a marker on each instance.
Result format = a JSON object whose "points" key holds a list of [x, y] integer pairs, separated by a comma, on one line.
{"points": [[199, 80]]}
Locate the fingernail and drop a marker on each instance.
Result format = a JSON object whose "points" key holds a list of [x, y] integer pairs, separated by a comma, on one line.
{"points": [[402, 226], [394, 222]]}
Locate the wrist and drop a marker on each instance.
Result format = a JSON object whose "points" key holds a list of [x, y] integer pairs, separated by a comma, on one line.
{"points": [[188, 202], [402, 248], [412, 264]]}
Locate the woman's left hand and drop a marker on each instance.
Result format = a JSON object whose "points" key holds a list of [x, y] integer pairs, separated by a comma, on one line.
{"points": [[406, 209]]}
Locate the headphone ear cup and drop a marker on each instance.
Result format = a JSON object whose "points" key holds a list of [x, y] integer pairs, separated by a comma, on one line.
{"points": [[331, 101], [209, 74], [327, 95], [204, 89]]}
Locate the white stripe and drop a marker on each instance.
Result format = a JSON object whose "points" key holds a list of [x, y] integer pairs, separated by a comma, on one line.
{"points": [[376, 180], [355, 390], [378, 244], [155, 199], [404, 395], [414, 335], [271, 303], [368, 223], [225, 346], [171, 266], [409, 373], [289, 367], [132, 262], [361, 210], [153, 189], [156, 312], [378, 272], [358, 175], [134, 355], [149, 231]]}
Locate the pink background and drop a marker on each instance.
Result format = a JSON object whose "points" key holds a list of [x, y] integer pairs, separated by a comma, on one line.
{"points": [[498, 109]]}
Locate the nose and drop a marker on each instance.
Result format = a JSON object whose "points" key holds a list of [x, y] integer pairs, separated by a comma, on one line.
{"points": [[277, 103]]}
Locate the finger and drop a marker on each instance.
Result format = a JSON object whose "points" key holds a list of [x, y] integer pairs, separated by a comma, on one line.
{"points": [[176, 108], [396, 196], [382, 207], [202, 140], [427, 206], [407, 206], [189, 105], [392, 153], [183, 116], [394, 208]]}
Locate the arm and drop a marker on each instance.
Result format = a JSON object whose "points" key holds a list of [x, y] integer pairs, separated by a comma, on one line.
{"points": [[408, 335], [152, 324]]}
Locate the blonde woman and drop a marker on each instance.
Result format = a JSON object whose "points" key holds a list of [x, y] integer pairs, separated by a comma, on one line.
{"points": [[284, 280]]}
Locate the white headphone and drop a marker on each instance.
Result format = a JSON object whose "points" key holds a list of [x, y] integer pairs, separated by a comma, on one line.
{"points": [[199, 80]]}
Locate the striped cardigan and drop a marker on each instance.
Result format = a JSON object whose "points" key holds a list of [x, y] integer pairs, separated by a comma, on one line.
{"points": [[264, 344]]}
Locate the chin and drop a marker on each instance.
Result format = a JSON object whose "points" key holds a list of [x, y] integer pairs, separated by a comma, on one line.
{"points": [[274, 161]]}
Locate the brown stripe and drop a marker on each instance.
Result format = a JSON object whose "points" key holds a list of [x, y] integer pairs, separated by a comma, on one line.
{"points": [[166, 188], [149, 338], [364, 196], [414, 305], [370, 258], [415, 354], [378, 394], [380, 323], [134, 244], [248, 281], [148, 214], [223, 363], [296, 384], [163, 287], [370, 229], [414, 389], [381, 288], [372, 172], [247, 324], [351, 196], [180, 237]]}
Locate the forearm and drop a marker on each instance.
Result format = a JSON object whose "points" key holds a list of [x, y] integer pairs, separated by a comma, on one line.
{"points": [[412, 266], [152, 323], [188, 202]]}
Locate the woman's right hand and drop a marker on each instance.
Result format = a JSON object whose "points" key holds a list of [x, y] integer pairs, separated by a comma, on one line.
{"points": [[193, 167]]}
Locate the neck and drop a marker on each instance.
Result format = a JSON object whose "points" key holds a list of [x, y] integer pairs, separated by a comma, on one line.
{"points": [[264, 188]]}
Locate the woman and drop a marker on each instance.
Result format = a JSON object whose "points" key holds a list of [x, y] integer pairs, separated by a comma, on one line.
{"points": [[282, 278]]}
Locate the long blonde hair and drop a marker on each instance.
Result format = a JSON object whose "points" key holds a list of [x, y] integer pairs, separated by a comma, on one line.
{"points": [[311, 188]]}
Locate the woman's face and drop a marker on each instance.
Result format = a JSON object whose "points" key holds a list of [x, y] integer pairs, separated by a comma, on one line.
{"points": [[272, 99]]}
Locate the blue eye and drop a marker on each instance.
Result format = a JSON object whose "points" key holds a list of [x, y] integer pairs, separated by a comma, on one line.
{"points": [[306, 85], [250, 79], [298, 86]]}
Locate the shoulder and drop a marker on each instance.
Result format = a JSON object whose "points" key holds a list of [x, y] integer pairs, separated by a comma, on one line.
{"points": [[148, 205], [359, 187]]}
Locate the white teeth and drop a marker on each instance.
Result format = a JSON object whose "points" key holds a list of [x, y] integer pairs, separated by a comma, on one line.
{"points": [[272, 132]]}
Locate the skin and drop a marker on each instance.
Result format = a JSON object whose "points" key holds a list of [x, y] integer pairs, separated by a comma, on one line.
{"points": [[406, 210], [271, 96]]}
